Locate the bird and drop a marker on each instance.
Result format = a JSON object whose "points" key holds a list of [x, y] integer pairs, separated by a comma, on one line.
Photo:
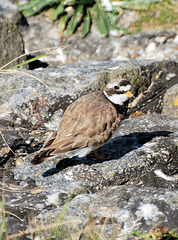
{"points": [[89, 122]]}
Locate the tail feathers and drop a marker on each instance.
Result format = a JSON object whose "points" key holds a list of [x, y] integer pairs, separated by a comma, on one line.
{"points": [[50, 140], [42, 156]]}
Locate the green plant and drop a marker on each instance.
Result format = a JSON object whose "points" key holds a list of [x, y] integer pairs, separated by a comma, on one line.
{"points": [[160, 233], [158, 14], [31, 59], [74, 14], [3, 227], [56, 232]]}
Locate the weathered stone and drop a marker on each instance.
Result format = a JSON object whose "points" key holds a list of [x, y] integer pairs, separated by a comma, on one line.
{"points": [[143, 159], [39, 100], [137, 188], [96, 48], [9, 12], [11, 45], [143, 152], [120, 211], [170, 107]]}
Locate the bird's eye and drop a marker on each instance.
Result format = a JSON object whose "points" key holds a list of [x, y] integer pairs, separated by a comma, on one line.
{"points": [[116, 87]]}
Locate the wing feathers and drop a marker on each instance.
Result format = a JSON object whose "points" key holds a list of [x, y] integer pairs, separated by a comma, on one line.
{"points": [[42, 156], [88, 122]]}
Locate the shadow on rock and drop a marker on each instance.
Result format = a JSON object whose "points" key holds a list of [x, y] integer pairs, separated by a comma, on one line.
{"points": [[114, 149], [19, 145]]}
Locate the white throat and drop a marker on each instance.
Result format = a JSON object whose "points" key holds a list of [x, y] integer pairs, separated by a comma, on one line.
{"points": [[118, 99]]}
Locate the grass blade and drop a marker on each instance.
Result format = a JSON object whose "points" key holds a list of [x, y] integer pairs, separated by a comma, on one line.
{"points": [[63, 21], [28, 61], [60, 217], [36, 6], [86, 24], [56, 12], [72, 25], [103, 22]]}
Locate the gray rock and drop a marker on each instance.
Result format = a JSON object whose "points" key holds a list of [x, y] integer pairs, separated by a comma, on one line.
{"points": [[145, 45], [143, 160], [170, 107], [11, 45], [9, 12], [134, 190], [42, 33], [37, 98], [119, 211], [137, 188], [140, 144]]}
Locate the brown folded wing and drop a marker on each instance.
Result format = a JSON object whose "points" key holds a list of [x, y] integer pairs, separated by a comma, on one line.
{"points": [[87, 122]]}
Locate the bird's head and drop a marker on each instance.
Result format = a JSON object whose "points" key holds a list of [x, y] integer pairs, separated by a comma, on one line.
{"points": [[118, 91]]}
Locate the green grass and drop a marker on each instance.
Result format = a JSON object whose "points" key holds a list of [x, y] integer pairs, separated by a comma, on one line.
{"points": [[73, 15], [160, 233], [161, 15], [3, 227]]}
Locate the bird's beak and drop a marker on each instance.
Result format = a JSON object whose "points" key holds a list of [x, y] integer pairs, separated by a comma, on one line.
{"points": [[129, 94]]}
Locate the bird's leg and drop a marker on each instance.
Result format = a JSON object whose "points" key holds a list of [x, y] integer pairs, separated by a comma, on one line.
{"points": [[94, 155]]}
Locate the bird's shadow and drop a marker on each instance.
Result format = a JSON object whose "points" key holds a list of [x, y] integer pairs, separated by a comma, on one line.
{"points": [[116, 148]]}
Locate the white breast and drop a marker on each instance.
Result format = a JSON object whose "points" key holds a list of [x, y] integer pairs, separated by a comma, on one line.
{"points": [[117, 98]]}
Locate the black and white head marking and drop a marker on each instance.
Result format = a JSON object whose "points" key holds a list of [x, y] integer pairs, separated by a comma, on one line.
{"points": [[115, 91]]}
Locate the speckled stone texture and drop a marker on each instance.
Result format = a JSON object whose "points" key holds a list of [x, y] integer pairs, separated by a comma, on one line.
{"points": [[128, 191], [37, 98], [137, 189], [170, 98]]}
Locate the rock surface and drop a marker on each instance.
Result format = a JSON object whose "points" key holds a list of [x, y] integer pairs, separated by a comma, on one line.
{"points": [[170, 105], [135, 190], [145, 45], [39, 32], [9, 11], [12, 45], [37, 98]]}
